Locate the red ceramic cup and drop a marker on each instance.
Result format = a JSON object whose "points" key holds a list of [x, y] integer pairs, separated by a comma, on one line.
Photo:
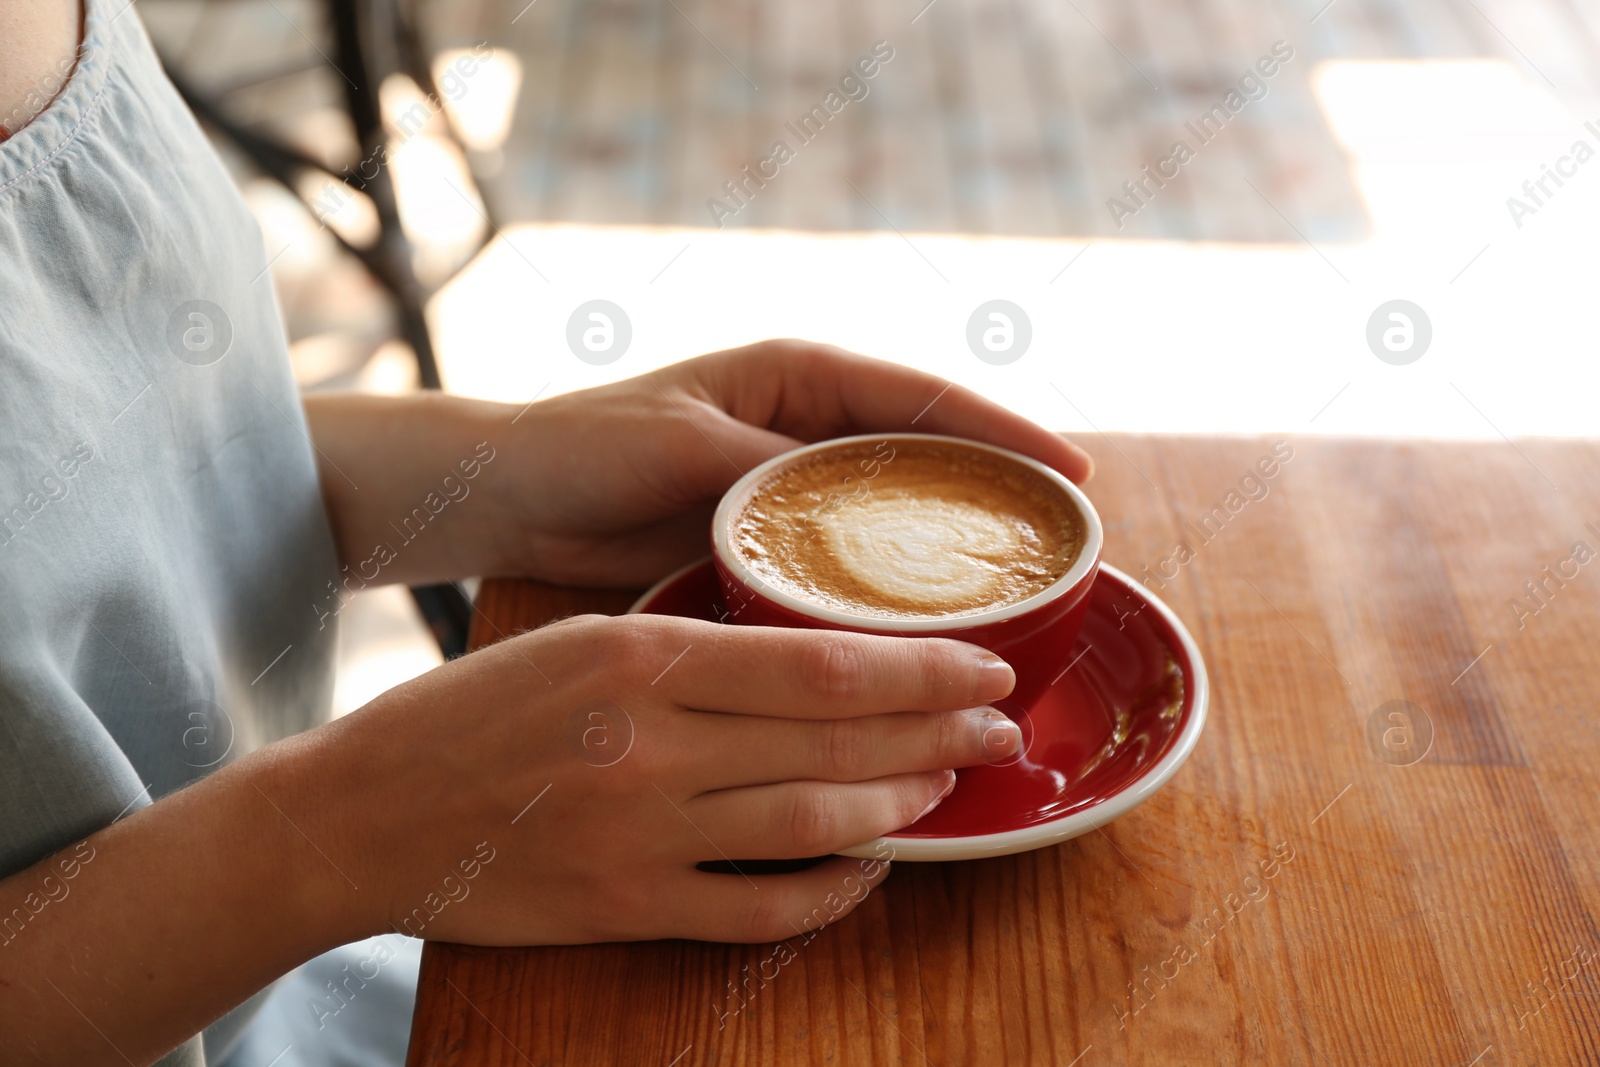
{"points": [[1034, 635]]}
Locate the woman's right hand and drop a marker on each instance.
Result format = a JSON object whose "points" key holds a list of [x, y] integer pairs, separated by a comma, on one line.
{"points": [[561, 786], [486, 803]]}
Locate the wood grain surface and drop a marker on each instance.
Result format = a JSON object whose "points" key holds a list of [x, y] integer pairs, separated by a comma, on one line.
{"points": [[1305, 891]]}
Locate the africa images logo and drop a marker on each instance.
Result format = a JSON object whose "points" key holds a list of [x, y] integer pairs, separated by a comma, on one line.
{"points": [[199, 332], [808, 127], [1252, 86]]}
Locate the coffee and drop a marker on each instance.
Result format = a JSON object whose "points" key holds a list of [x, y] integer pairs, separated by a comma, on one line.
{"points": [[908, 530]]}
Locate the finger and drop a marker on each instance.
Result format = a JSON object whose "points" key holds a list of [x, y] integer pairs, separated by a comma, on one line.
{"points": [[790, 820], [812, 392], [766, 907], [810, 674], [741, 750]]}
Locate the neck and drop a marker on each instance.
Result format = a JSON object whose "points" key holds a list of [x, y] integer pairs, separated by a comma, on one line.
{"points": [[38, 49]]}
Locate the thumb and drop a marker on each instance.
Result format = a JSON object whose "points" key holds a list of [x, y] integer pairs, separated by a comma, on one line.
{"points": [[730, 448]]}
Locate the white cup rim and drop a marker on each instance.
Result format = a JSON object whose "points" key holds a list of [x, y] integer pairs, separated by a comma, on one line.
{"points": [[1088, 557]]}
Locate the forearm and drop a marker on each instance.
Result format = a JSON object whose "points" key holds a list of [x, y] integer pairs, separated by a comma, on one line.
{"points": [[170, 918], [406, 482]]}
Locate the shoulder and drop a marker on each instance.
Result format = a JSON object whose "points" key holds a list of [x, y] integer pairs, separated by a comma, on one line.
{"points": [[38, 46]]}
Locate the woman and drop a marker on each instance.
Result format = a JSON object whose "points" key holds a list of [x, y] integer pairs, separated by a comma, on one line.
{"points": [[178, 535]]}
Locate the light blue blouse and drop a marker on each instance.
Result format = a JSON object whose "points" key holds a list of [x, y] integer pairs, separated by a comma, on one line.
{"points": [[163, 543]]}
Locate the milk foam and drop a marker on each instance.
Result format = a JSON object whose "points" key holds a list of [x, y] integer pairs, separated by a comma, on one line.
{"points": [[909, 530], [927, 552]]}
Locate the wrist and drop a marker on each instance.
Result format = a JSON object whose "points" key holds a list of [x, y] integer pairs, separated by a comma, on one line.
{"points": [[497, 532], [436, 497], [291, 794]]}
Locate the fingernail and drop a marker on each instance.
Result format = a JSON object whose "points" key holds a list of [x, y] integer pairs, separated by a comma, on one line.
{"points": [[995, 679], [950, 783], [999, 735]]}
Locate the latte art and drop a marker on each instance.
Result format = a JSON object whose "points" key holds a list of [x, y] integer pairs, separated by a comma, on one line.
{"points": [[915, 529], [926, 552]]}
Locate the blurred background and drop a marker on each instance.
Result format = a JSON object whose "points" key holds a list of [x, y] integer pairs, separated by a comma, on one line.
{"points": [[1381, 219]]}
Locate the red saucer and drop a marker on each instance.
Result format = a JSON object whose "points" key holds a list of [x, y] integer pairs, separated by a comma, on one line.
{"points": [[1124, 714]]}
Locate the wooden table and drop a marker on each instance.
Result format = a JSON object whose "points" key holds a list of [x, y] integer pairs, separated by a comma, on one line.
{"points": [[1434, 910]]}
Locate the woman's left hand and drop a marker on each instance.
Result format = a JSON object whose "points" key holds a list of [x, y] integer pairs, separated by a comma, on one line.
{"points": [[617, 484], [613, 486]]}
